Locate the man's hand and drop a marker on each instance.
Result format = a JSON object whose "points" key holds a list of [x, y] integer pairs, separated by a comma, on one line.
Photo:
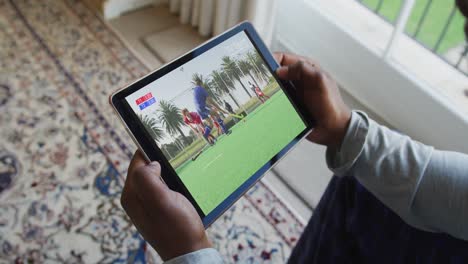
{"points": [[165, 218], [321, 96]]}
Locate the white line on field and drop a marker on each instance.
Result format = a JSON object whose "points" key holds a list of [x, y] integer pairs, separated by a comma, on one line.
{"points": [[217, 157]]}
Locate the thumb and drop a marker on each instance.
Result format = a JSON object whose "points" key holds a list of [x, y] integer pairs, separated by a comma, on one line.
{"points": [[299, 71], [315, 136], [147, 183], [292, 72]]}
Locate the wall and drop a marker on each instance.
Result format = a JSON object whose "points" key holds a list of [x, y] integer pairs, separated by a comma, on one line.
{"points": [[114, 8]]}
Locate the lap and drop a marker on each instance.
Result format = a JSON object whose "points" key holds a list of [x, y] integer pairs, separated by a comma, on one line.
{"points": [[350, 225]]}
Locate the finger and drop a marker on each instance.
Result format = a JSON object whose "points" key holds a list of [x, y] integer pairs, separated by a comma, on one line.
{"points": [[284, 58], [317, 136], [138, 160], [133, 208], [313, 136], [299, 71], [286, 72], [147, 184], [278, 56]]}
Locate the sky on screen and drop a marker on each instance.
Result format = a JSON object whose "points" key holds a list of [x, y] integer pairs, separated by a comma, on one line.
{"points": [[176, 86]]}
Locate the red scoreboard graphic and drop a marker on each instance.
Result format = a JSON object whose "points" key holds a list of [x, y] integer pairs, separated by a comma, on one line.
{"points": [[145, 101]]}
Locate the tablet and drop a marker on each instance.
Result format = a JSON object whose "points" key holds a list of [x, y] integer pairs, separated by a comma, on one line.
{"points": [[216, 118]]}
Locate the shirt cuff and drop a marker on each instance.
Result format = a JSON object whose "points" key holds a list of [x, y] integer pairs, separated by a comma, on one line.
{"points": [[342, 160], [206, 255]]}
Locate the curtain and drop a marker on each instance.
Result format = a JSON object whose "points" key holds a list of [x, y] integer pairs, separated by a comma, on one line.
{"points": [[212, 17]]}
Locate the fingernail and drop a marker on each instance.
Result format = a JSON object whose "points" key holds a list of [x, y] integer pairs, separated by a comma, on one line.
{"points": [[154, 164], [282, 70]]}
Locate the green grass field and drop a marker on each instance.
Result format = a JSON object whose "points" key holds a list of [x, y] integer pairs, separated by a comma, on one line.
{"points": [[433, 25], [221, 169], [271, 88]]}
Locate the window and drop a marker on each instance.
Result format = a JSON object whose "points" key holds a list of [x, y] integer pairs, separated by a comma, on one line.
{"points": [[364, 46]]}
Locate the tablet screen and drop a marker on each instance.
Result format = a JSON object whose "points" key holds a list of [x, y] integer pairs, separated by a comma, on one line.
{"points": [[218, 118]]}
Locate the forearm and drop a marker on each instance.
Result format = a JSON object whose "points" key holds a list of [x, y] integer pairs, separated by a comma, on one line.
{"points": [[395, 168], [388, 164]]}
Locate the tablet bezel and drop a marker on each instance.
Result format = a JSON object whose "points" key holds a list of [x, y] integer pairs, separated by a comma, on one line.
{"points": [[152, 152]]}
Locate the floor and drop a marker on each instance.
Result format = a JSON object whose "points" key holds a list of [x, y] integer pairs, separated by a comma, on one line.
{"points": [[157, 37]]}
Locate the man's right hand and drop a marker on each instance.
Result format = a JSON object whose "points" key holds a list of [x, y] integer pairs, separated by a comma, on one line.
{"points": [[321, 96]]}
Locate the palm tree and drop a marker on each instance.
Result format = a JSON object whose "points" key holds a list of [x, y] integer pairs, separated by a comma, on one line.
{"points": [[166, 152], [260, 63], [255, 59], [150, 124], [232, 70], [223, 85], [248, 67], [171, 118], [199, 80]]}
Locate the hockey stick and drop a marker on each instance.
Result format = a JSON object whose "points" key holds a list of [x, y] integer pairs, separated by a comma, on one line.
{"points": [[238, 116]]}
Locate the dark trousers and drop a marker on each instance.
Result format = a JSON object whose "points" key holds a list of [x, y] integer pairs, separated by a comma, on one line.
{"points": [[350, 225]]}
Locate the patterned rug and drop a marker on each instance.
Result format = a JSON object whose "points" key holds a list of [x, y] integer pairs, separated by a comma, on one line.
{"points": [[64, 154]]}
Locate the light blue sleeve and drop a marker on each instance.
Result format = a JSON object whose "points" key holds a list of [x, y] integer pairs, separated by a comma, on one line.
{"points": [[442, 198], [427, 188], [202, 256]]}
